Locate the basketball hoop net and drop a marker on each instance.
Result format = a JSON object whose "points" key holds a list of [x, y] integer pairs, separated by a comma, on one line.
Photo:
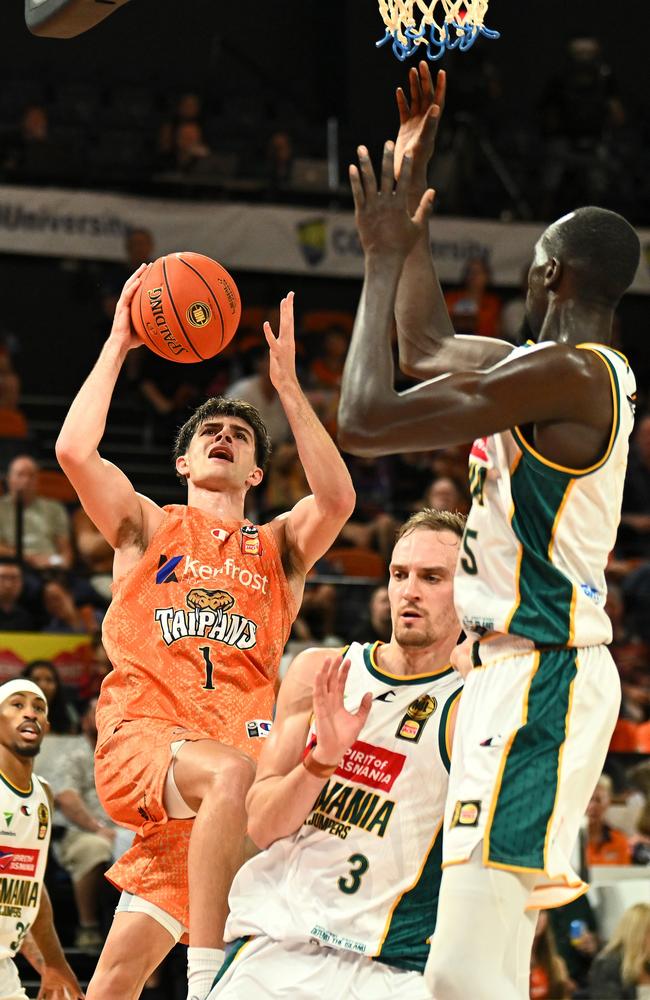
{"points": [[411, 24]]}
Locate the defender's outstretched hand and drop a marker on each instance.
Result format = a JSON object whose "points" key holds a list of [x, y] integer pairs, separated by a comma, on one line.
{"points": [[283, 347], [419, 120], [336, 728], [386, 226]]}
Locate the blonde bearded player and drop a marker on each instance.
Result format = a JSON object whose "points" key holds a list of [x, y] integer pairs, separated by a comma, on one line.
{"points": [[349, 800], [25, 806], [551, 423]]}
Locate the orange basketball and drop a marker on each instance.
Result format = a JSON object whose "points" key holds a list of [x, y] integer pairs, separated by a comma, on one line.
{"points": [[187, 308]]}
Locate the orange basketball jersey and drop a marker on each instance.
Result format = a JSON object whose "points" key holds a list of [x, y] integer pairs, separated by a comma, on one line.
{"points": [[196, 630]]}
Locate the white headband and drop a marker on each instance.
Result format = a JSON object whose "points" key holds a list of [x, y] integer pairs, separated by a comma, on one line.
{"points": [[19, 686]]}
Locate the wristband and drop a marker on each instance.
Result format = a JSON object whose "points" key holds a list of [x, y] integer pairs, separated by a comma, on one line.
{"points": [[315, 768]]}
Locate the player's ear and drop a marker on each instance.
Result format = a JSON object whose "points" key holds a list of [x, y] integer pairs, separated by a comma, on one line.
{"points": [[553, 274], [255, 477], [182, 466]]}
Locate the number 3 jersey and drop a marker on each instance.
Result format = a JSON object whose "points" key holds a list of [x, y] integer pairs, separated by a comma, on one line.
{"points": [[363, 871], [538, 535], [196, 630], [25, 827]]}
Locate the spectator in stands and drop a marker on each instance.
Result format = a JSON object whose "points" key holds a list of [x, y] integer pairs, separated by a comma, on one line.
{"points": [[605, 844], [622, 970], [260, 391], [285, 482], [31, 144], [514, 326], [100, 667], [13, 617], [326, 369], [444, 493], [90, 842], [577, 951], [376, 625], [62, 716], [549, 978], [640, 842], [46, 528], [188, 107], [139, 248], [189, 148], [61, 612], [95, 554], [371, 526], [278, 161], [634, 534], [472, 308], [13, 423]]}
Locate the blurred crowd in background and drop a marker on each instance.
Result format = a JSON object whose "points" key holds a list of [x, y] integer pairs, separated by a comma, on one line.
{"points": [[584, 143]]}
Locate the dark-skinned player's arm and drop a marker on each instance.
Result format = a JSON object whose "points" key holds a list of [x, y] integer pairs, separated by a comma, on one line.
{"points": [[556, 383], [425, 335], [123, 518], [284, 792], [58, 981], [316, 520]]}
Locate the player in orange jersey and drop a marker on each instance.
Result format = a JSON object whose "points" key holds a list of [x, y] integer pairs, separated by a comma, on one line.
{"points": [[203, 602]]}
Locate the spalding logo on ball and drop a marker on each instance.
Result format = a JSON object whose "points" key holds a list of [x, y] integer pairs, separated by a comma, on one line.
{"points": [[187, 308]]}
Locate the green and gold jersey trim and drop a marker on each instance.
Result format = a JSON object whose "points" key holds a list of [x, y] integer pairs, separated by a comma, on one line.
{"points": [[370, 660], [234, 950], [553, 467], [525, 795], [23, 792], [444, 736], [412, 919]]}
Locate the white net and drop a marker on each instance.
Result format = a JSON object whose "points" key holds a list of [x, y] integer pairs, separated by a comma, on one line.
{"points": [[445, 23]]}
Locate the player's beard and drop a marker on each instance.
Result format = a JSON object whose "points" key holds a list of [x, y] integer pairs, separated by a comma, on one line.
{"points": [[27, 751], [414, 638]]}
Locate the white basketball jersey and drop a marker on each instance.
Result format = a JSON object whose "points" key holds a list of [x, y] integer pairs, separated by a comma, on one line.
{"points": [[363, 871], [25, 827], [538, 535]]}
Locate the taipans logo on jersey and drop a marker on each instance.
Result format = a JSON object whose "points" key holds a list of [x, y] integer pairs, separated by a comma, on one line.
{"points": [[43, 821], [479, 463], [19, 861], [417, 715], [207, 618], [170, 570], [250, 540], [340, 806], [258, 728], [371, 765]]}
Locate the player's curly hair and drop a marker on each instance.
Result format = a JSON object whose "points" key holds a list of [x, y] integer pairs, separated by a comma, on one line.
{"points": [[220, 406], [434, 520]]}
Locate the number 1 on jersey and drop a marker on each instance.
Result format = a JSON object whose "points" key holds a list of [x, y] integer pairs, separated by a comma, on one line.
{"points": [[208, 686]]}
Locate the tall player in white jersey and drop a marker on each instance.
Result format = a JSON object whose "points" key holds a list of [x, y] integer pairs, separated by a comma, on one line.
{"points": [[552, 422], [25, 827], [349, 798]]}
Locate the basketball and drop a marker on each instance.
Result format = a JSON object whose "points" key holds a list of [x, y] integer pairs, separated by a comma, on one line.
{"points": [[187, 308]]}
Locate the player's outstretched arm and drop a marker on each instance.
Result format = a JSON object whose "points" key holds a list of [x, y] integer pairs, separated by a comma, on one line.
{"points": [[313, 524], [425, 335], [106, 494], [284, 790], [554, 383], [58, 981]]}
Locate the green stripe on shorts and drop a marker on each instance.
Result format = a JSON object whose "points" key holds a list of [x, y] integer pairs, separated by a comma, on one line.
{"points": [[526, 796], [233, 950]]}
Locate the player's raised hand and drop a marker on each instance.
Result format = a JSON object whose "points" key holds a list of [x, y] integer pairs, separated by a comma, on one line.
{"points": [[336, 727], [384, 221], [122, 331], [419, 118], [282, 349]]}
